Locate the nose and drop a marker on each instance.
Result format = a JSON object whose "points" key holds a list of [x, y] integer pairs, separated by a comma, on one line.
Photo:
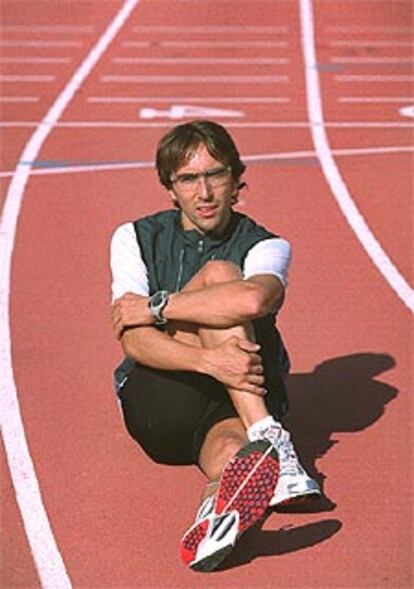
{"points": [[204, 187]]}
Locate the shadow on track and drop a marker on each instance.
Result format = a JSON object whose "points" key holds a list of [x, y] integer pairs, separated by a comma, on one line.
{"points": [[340, 395], [258, 543]]}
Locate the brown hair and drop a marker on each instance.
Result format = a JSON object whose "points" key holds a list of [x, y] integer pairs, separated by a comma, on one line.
{"points": [[179, 144]]}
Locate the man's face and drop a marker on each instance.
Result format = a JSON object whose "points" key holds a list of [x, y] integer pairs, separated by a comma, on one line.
{"points": [[205, 201]]}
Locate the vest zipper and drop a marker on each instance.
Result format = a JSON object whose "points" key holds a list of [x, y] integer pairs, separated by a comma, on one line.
{"points": [[180, 270]]}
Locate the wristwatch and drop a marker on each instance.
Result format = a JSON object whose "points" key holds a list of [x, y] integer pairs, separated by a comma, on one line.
{"points": [[157, 302]]}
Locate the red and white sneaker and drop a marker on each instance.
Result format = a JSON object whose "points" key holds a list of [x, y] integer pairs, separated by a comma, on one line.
{"points": [[246, 488], [294, 486]]}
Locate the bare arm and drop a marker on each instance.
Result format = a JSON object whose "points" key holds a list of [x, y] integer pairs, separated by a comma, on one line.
{"points": [[227, 303], [219, 305]]}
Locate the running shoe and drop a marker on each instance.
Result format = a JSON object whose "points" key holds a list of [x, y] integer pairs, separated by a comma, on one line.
{"points": [[246, 488], [294, 485]]}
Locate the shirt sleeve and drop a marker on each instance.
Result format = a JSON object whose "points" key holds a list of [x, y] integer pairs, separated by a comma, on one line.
{"points": [[129, 273], [270, 256]]}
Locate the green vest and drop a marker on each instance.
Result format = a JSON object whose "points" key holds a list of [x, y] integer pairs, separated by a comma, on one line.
{"points": [[173, 256]]}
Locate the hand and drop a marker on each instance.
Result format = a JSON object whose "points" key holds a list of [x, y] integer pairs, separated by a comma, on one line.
{"points": [[130, 310], [237, 365]]}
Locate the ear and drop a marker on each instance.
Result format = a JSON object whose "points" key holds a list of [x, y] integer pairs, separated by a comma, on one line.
{"points": [[174, 199], [235, 192]]}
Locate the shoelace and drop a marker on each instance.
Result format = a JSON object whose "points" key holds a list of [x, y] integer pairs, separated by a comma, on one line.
{"points": [[289, 463], [280, 438]]}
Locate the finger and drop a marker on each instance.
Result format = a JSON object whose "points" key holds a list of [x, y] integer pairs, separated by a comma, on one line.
{"points": [[255, 379], [254, 390], [256, 369], [247, 345], [255, 359]]}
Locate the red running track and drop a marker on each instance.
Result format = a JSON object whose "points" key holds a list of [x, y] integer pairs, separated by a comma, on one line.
{"points": [[115, 517]]}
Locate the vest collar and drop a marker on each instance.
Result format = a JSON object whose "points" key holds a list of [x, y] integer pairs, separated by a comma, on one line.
{"points": [[192, 236]]}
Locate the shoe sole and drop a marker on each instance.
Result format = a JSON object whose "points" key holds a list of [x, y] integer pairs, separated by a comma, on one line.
{"points": [[247, 485], [211, 562], [248, 482]]}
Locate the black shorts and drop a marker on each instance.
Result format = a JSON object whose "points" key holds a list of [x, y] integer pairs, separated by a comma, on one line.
{"points": [[169, 413]]}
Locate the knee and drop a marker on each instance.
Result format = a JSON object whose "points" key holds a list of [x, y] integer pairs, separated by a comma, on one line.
{"points": [[220, 271]]}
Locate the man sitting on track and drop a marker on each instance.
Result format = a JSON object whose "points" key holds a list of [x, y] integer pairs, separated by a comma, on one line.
{"points": [[195, 291]]}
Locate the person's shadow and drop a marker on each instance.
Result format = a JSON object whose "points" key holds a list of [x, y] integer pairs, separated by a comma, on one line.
{"points": [[340, 395]]}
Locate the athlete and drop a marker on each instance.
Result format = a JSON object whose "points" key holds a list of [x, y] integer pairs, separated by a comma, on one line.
{"points": [[196, 290]]}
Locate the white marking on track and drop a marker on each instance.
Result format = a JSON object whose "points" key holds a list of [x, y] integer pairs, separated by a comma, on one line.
{"points": [[261, 157], [48, 560], [372, 60], [189, 99], [358, 29], [373, 78], [47, 29], [211, 29], [207, 44], [324, 153], [199, 79], [375, 99], [17, 99], [180, 111], [370, 43], [5, 79], [203, 60], [42, 44], [233, 124], [407, 111], [40, 60]]}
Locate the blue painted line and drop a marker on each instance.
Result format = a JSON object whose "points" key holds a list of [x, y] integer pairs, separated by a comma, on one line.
{"points": [[54, 164], [330, 67]]}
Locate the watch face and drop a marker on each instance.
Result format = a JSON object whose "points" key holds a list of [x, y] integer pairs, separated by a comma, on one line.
{"points": [[157, 299]]}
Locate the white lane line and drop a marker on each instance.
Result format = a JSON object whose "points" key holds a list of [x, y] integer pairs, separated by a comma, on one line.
{"points": [[374, 78], [376, 99], [239, 125], [324, 153], [5, 79], [208, 44], [370, 43], [189, 99], [255, 158], [358, 29], [199, 79], [372, 60], [47, 29], [203, 60], [17, 99], [48, 560], [210, 29], [42, 44], [340, 152], [39, 60]]}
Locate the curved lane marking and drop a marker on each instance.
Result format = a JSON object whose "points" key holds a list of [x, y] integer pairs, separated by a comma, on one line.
{"points": [[56, 167], [333, 177], [48, 560]]}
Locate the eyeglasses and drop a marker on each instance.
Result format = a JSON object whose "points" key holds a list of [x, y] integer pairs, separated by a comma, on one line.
{"points": [[215, 177]]}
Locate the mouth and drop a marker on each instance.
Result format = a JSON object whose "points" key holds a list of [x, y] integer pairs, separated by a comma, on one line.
{"points": [[207, 211]]}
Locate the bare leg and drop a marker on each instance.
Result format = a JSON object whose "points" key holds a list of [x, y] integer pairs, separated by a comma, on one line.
{"points": [[251, 408], [221, 443], [228, 436]]}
